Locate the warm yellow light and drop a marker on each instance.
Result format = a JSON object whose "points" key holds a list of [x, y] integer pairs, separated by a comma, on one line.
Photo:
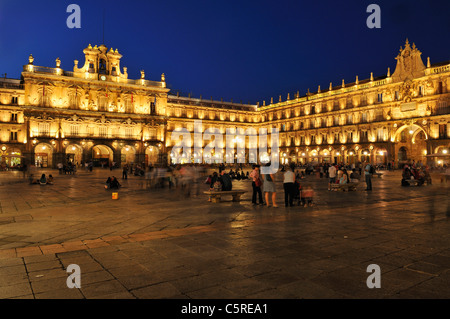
{"points": [[351, 153], [445, 151]]}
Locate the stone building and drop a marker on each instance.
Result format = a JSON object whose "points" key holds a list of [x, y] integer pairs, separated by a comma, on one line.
{"points": [[96, 113]]}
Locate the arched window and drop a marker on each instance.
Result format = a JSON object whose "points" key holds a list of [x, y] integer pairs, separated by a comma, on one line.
{"points": [[102, 67]]}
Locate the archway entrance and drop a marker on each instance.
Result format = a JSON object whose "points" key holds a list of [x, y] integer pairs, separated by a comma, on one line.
{"points": [[43, 155], [151, 155], [74, 154], [102, 155], [128, 155]]}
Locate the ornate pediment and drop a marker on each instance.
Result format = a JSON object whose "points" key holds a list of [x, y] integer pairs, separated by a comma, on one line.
{"points": [[409, 64]]}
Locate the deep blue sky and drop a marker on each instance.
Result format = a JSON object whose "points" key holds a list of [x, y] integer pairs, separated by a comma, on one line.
{"points": [[235, 49]]}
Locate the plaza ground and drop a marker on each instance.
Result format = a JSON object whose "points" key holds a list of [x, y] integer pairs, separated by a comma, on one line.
{"points": [[158, 243]]}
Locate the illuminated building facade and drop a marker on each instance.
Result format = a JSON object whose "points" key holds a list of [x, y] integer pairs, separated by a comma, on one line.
{"points": [[96, 113]]}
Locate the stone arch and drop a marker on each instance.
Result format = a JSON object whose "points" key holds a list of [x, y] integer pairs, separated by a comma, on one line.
{"points": [[43, 155], [417, 129]]}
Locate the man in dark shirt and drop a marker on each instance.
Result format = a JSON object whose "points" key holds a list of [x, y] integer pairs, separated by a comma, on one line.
{"points": [[225, 179]]}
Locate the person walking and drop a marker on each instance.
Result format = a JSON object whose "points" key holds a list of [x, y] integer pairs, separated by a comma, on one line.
{"points": [[288, 185], [256, 185], [368, 175], [269, 188]]}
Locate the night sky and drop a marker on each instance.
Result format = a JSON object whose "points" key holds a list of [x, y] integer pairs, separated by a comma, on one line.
{"points": [[247, 51]]}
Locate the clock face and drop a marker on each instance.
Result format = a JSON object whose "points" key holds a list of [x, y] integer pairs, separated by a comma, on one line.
{"points": [[103, 77]]}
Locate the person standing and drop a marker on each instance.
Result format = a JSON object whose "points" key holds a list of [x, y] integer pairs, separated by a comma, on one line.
{"points": [[269, 187], [125, 172], [331, 176], [288, 184], [368, 175], [256, 185]]}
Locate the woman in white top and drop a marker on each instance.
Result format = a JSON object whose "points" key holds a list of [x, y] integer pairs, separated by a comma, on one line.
{"points": [[288, 184]]}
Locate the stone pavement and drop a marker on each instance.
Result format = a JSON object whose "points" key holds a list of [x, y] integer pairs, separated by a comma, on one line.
{"points": [[158, 243]]}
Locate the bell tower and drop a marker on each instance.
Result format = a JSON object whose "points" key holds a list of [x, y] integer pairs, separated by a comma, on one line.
{"points": [[101, 63]]}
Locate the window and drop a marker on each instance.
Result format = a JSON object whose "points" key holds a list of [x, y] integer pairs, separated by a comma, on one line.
{"points": [[302, 140], [313, 109], [420, 90], [74, 130], [380, 98], [439, 90], [14, 100], [128, 132], [350, 119], [44, 129], [397, 95], [102, 66], [364, 117], [364, 136], [103, 131], [350, 137], [380, 135], [337, 137], [313, 139], [443, 131], [336, 120], [13, 137], [152, 108], [14, 117]]}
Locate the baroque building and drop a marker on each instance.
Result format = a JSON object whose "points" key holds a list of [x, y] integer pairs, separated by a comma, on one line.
{"points": [[95, 113]]}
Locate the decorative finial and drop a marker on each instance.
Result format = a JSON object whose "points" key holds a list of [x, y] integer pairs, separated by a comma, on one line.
{"points": [[371, 76], [271, 100], [288, 97], [428, 62], [318, 89], [357, 81], [298, 94], [264, 103], [30, 59], [142, 74], [389, 73], [343, 83], [279, 98], [58, 62], [331, 86], [163, 78]]}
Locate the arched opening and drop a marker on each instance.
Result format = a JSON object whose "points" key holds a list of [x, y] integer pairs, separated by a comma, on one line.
{"points": [[128, 155], [402, 155], [43, 155], [102, 155], [74, 154], [10, 157], [151, 155]]}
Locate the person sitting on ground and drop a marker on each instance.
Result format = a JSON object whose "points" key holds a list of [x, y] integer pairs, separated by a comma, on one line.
{"points": [[115, 183], [50, 180], [43, 180], [344, 177], [108, 183]]}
